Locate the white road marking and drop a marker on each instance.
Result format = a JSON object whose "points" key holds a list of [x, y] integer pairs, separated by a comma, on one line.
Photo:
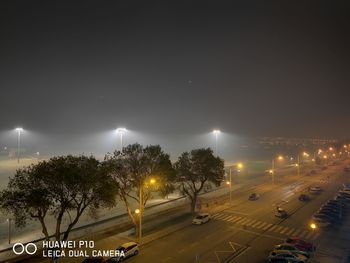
{"points": [[284, 230]]}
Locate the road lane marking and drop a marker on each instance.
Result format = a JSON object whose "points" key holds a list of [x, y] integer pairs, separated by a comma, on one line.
{"points": [[262, 226], [221, 216], [267, 226], [274, 227], [244, 221], [290, 232], [226, 217], [296, 233], [239, 213], [257, 223], [239, 221], [252, 221], [236, 218], [278, 229], [284, 230]]}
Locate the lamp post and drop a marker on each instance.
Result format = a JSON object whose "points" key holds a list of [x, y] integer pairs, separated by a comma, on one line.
{"points": [[230, 185], [272, 171], [18, 130], [121, 132], [216, 134], [9, 229], [139, 211], [298, 165]]}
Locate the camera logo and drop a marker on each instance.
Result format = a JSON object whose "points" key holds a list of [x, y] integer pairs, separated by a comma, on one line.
{"points": [[29, 248]]}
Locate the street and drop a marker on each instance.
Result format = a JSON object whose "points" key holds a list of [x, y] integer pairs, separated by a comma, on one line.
{"points": [[248, 230]]}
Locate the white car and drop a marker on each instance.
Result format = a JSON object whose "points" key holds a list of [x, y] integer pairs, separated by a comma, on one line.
{"points": [[126, 250], [287, 255], [201, 219]]}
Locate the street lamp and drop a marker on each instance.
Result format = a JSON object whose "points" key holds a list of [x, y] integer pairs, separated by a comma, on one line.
{"points": [[18, 130], [216, 133], [272, 171], [121, 132], [9, 230], [139, 211]]}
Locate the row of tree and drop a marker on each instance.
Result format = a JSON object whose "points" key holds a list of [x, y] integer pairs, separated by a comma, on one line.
{"points": [[69, 186]]}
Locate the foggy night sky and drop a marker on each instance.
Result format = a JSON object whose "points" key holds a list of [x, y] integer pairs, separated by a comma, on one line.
{"points": [[175, 68]]}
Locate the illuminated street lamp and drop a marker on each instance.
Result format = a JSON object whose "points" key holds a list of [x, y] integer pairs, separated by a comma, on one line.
{"points": [[18, 130], [272, 171], [216, 133], [313, 226], [139, 211], [121, 132]]}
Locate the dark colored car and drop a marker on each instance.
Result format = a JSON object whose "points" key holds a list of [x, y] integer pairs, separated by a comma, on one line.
{"points": [[326, 217], [301, 244], [304, 198], [330, 213], [254, 196]]}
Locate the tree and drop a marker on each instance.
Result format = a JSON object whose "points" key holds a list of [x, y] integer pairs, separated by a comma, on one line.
{"points": [[196, 169], [61, 187], [138, 172]]}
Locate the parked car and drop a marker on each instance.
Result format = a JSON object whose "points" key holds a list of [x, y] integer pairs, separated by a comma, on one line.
{"points": [[304, 198], [254, 196], [126, 250], [285, 254], [325, 217], [336, 215], [292, 248], [301, 244], [201, 219], [322, 223]]}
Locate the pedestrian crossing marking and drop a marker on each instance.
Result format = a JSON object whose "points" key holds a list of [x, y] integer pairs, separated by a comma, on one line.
{"points": [[250, 222], [296, 233], [290, 232], [257, 223], [225, 218], [265, 226], [245, 221], [278, 229], [284, 230], [273, 228], [239, 221], [233, 218]]}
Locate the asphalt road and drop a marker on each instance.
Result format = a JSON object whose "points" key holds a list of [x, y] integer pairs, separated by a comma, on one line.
{"points": [[247, 231]]}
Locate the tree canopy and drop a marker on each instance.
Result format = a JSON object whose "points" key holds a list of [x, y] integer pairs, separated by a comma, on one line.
{"points": [[196, 169], [62, 186]]}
